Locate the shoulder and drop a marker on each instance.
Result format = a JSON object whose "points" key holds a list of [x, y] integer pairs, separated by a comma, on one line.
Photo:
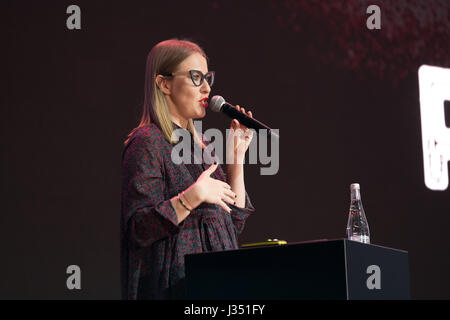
{"points": [[147, 139], [148, 135], [150, 132]]}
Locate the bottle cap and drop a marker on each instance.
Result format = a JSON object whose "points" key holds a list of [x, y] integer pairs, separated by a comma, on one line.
{"points": [[354, 186]]}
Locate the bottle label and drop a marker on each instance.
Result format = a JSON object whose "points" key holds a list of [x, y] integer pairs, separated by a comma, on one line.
{"points": [[360, 238]]}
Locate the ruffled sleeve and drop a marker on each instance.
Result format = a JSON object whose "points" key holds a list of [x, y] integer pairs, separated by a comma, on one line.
{"points": [[238, 215]]}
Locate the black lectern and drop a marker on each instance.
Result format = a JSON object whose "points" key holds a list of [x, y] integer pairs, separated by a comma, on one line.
{"points": [[325, 269]]}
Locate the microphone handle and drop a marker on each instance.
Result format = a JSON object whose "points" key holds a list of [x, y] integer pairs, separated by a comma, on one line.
{"points": [[233, 113]]}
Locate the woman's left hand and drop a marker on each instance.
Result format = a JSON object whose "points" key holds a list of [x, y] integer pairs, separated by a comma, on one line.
{"points": [[238, 139]]}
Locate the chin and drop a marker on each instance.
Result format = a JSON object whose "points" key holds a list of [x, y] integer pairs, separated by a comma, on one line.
{"points": [[201, 115]]}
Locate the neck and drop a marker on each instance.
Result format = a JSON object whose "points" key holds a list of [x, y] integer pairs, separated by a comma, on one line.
{"points": [[176, 117], [180, 122]]}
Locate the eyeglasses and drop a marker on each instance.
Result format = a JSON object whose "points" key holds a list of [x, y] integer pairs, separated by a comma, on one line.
{"points": [[197, 77]]}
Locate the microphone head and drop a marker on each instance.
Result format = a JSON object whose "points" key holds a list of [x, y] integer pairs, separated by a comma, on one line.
{"points": [[216, 103]]}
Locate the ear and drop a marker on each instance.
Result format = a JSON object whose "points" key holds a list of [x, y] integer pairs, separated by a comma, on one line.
{"points": [[164, 84]]}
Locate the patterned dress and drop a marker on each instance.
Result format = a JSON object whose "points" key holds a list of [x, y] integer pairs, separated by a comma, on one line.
{"points": [[153, 245]]}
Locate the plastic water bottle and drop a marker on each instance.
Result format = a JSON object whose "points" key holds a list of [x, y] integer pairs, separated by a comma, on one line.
{"points": [[357, 226]]}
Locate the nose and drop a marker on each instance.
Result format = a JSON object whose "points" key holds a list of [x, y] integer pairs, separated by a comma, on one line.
{"points": [[205, 88]]}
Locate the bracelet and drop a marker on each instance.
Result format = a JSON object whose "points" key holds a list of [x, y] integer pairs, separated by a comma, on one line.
{"points": [[182, 203], [185, 198]]}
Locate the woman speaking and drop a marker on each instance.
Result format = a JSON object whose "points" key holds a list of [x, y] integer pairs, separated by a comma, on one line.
{"points": [[170, 210]]}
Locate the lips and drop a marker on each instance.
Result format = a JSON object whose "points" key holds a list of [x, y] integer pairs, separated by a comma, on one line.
{"points": [[204, 102]]}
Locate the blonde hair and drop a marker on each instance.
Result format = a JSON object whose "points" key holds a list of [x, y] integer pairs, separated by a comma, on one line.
{"points": [[164, 58]]}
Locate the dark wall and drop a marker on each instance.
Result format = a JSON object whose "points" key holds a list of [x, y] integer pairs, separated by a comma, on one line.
{"points": [[345, 99]]}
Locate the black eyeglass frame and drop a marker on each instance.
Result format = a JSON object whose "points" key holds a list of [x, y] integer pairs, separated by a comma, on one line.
{"points": [[191, 73]]}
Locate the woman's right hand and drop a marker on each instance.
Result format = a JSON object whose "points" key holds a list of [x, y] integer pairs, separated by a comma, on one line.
{"points": [[214, 191]]}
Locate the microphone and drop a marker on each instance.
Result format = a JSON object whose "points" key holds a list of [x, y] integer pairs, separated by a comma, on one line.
{"points": [[219, 104]]}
